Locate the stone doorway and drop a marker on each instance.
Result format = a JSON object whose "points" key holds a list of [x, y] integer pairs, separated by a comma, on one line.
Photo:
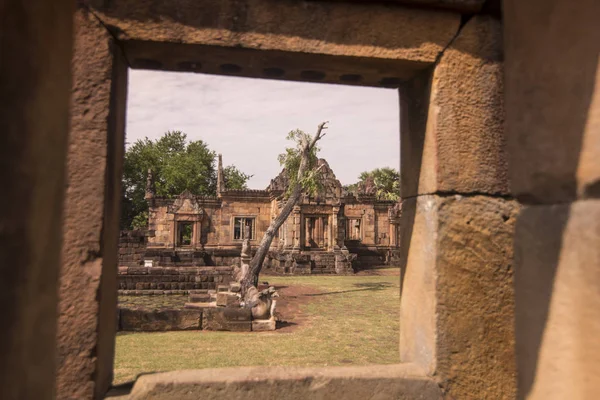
{"points": [[316, 232]]}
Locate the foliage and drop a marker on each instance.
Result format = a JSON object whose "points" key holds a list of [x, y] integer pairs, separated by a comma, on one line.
{"points": [[177, 165], [234, 178], [290, 160], [386, 181], [140, 221]]}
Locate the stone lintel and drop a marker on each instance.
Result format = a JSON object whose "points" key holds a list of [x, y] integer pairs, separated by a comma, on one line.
{"points": [[350, 43]]}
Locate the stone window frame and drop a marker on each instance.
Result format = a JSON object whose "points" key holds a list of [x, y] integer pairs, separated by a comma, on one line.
{"points": [[348, 227], [412, 60], [195, 220], [254, 218], [327, 229], [179, 225]]}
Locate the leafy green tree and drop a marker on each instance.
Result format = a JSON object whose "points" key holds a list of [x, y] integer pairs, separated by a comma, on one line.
{"points": [[385, 182], [234, 178], [177, 165]]}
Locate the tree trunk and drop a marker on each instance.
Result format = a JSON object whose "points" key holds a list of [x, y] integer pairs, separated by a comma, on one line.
{"points": [[251, 277]]}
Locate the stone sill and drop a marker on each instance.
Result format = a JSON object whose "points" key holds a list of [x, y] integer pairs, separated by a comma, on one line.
{"points": [[400, 381]]}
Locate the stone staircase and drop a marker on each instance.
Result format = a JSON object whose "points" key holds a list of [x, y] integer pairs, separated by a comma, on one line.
{"points": [[323, 263]]}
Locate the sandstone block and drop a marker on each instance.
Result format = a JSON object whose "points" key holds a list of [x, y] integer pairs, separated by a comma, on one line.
{"points": [[553, 103], [35, 85], [557, 255], [453, 135], [402, 382], [227, 299], [222, 288], [284, 26], [199, 297], [457, 295], [201, 305], [227, 319], [261, 325], [142, 320]]}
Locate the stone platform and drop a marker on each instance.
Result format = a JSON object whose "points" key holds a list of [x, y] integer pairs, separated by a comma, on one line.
{"points": [[209, 310]]}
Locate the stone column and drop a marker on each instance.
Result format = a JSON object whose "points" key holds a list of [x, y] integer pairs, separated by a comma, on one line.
{"points": [[335, 239], [296, 228], [88, 293], [553, 131], [393, 234], [35, 47], [458, 220]]}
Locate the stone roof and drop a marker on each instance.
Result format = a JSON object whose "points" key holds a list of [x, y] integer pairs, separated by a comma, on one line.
{"points": [[331, 185]]}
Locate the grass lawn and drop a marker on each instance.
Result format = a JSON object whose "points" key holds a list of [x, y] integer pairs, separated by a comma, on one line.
{"points": [[333, 320]]}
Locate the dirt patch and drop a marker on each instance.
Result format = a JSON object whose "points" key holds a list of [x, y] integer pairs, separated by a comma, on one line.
{"points": [[289, 306]]}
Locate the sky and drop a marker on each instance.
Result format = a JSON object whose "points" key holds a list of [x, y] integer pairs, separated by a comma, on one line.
{"points": [[247, 120]]}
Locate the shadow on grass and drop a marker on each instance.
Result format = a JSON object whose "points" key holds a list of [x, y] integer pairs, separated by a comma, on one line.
{"points": [[284, 324], [363, 287]]}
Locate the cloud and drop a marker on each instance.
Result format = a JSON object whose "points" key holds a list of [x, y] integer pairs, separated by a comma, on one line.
{"points": [[247, 119]]}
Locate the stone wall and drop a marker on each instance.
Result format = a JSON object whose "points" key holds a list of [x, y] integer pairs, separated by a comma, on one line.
{"points": [[35, 49], [132, 248], [141, 280], [553, 130], [142, 320]]}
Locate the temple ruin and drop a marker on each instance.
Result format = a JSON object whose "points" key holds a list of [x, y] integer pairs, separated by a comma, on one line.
{"points": [[331, 232]]}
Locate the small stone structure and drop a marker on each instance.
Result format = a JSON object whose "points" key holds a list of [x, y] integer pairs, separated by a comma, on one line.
{"points": [[210, 310], [213, 310]]}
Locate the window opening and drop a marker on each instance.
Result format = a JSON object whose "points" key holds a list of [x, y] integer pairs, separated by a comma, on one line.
{"points": [[185, 232], [244, 227], [354, 229]]}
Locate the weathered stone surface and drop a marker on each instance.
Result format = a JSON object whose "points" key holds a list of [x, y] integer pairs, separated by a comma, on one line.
{"points": [[227, 299], [141, 320], [465, 6], [35, 81], [460, 146], [199, 297], [457, 296], [402, 382], [222, 288], [557, 254], [264, 325], [553, 99], [230, 33], [227, 319], [200, 305], [88, 292], [289, 26]]}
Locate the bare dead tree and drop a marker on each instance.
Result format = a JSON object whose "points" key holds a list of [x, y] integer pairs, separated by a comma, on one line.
{"points": [[306, 145]]}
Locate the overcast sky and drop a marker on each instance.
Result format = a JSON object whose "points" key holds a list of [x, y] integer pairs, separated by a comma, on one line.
{"points": [[247, 120]]}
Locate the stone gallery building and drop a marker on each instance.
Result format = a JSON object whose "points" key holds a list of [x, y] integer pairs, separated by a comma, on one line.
{"points": [[331, 232]]}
